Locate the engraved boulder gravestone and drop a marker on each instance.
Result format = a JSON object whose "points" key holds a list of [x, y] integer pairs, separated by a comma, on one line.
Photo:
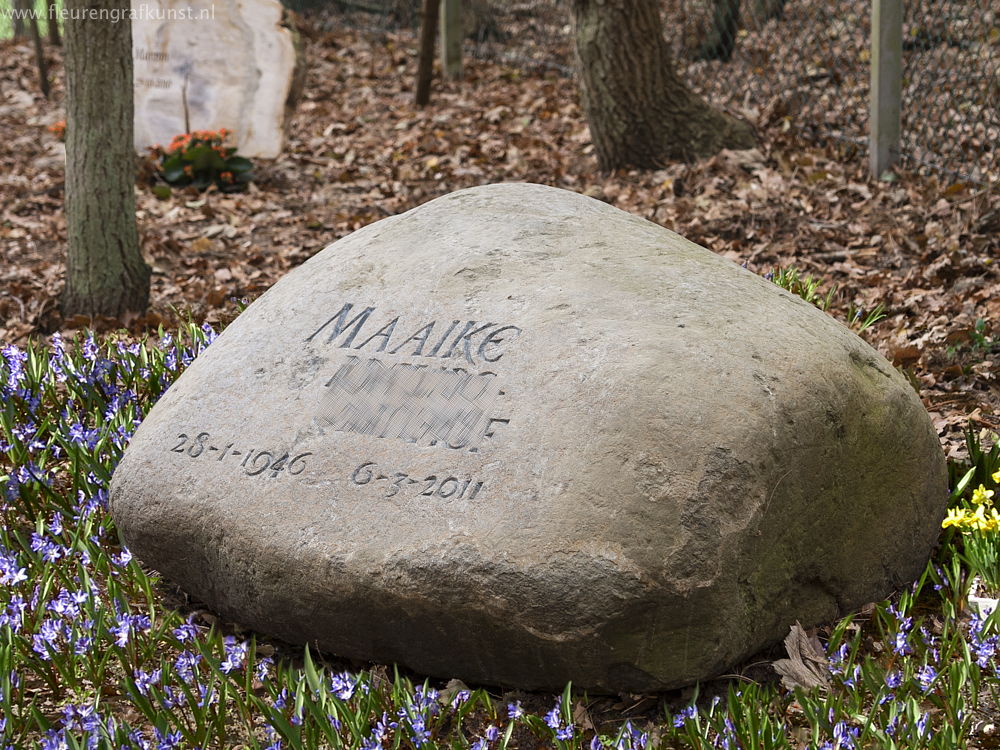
{"points": [[520, 437]]}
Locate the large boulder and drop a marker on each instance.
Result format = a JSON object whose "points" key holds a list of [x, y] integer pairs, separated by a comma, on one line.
{"points": [[520, 437]]}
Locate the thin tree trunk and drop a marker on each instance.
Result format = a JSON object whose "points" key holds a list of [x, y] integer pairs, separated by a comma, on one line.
{"points": [[43, 68], [641, 114], [18, 22], [720, 39], [53, 25], [105, 272], [425, 61], [765, 10]]}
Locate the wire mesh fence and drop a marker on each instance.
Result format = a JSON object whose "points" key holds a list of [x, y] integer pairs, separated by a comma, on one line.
{"points": [[804, 62]]}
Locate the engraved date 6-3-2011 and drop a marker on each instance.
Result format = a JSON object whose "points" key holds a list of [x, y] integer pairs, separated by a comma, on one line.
{"points": [[433, 485]]}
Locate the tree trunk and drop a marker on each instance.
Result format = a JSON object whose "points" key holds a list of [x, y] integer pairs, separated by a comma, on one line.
{"points": [[105, 272], [40, 63], [641, 114], [53, 25], [18, 22], [720, 39], [765, 10], [425, 60]]}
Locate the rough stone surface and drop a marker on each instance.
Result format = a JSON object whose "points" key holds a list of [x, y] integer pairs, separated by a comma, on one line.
{"points": [[655, 464], [210, 64]]}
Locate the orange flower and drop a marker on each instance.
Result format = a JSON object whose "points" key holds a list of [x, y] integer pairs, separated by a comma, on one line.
{"points": [[226, 176], [188, 171]]}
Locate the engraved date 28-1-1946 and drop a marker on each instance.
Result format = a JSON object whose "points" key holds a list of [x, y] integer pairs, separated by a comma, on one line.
{"points": [[254, 463]]}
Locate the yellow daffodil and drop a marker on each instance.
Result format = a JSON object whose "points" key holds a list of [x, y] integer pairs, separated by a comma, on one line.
{"points": [[977, 520], [996, 476], [982, 496], [994, 521], [955, 517]]}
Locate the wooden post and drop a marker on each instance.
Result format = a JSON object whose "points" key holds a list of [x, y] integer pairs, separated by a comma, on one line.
{"points": [[886, 84], [451, 38], [17, 22], [425, 59], [54, 25], [43, 68]]}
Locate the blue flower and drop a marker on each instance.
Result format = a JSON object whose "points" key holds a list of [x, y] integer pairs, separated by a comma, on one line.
{"points": [[844, 735], [121, 630], [901, 646], [76, 432], [185, 664], [552, 718], [688, 713], [640, 738], [210, 334], [11, 572], [83, 643], [926, 676], [137, 740], [853, 679], [207, 696], [890, 727], [173, 698], [263, 668], [90, 348], [123, 559], [47, 639], [83, 718], [145, 680], [343, 685], [425, 698], [235, 652], [49, 550], [922, 728], [53, 740], [168, 740], [185, 632], [514, 710], [15, 359], [282, 698], [838, 659]]}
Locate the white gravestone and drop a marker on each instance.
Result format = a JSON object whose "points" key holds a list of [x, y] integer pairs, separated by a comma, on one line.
{"points": [[206, 65]]}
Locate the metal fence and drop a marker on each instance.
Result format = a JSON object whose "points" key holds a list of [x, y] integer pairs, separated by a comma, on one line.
{"points": [[805, 62]]}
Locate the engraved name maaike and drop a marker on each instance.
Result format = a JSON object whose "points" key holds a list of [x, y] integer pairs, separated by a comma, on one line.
{"points": [[473, 339]]}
